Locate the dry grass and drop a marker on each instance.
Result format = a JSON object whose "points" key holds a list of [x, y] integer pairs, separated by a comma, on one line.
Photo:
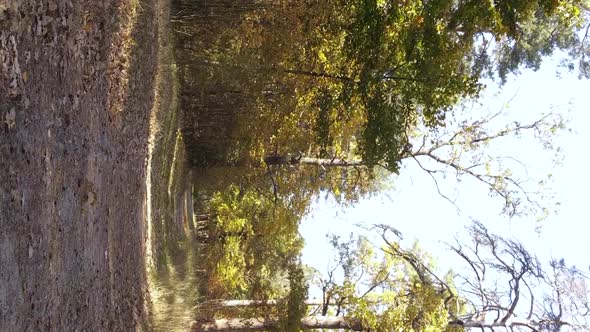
{"points": [[170, 261]]}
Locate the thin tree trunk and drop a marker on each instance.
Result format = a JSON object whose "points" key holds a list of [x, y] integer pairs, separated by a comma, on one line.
{"points": [[179, 212], [254, 303], [190, 208], [325, 162]]}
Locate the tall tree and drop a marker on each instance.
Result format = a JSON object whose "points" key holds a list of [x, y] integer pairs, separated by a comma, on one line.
{"points": [[341, 76], [461, 150]]}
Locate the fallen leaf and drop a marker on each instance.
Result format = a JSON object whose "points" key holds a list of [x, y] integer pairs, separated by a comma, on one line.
{"points": [[52, 6], [10, 118], [2, 12], [88, 26]]}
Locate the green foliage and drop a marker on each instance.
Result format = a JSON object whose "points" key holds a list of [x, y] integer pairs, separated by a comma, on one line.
{"points": [[296, 308], [251, 240], [383, 291], [352, 79], [415, 60], [231, 266], [424, 310]]}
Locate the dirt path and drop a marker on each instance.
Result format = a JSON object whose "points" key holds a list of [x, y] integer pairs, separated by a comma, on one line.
{"points": [[75, 97]]}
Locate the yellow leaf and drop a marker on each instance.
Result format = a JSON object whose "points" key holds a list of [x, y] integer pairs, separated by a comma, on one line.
{"points": [[322, 56]]}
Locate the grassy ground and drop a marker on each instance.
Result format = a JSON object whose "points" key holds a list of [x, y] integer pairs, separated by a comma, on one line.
{"points": [[171, 256]]}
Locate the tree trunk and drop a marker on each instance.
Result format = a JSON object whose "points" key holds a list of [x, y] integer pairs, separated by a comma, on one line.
{"points": [[299, 160], [190, 213], [261, 324], [254, 303]]}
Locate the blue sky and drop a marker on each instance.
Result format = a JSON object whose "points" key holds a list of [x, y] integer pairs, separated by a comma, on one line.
{"points": [[415, 208]]}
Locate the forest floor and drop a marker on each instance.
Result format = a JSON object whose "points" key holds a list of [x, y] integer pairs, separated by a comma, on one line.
{"points": [[85, 106], [171, 252]]}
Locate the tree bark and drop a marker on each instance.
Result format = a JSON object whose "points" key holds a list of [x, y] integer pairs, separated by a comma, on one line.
{"points": [[190, 212], [255, 303], [299, 160]]}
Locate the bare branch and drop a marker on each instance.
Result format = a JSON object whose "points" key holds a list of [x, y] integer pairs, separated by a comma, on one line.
{"points": [[511, 260]]}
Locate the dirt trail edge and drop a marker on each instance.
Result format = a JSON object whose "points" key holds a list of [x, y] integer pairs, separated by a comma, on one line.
{"points": [[77, 82]]}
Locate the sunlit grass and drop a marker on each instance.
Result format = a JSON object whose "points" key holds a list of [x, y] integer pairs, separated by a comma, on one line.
{"points": [[174, 290], [171, 275]]}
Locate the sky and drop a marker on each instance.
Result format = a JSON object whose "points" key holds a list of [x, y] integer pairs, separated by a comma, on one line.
{"points": [[415, 208]]}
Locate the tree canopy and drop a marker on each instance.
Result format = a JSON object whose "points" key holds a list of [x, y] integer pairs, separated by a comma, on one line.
{"points": [[299, 99], [353, 78]]}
